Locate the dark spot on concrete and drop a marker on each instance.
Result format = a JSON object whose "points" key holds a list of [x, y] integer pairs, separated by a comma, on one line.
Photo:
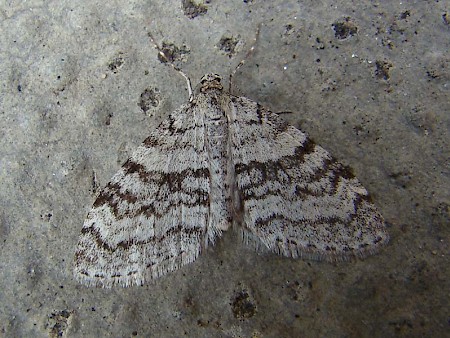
{"points": [[108, 119], [344, 29], [192, 10], [446, 18], [47, 216], [402, 326], [401, 179], [288, 28], [228, 45], [116, 63], [150, 98], [388, 43], [404, 15], [172, 53], [432, 74], [58, 323], [382, 69], [243, 306]]}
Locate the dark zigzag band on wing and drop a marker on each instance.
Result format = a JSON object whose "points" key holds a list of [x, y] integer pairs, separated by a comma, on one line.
{"points": [[290, 243], [275, 170], [114, 192], [112, 195], [94, 233]]}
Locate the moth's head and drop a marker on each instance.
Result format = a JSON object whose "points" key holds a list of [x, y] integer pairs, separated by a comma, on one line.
{"points": [[210, 81]]}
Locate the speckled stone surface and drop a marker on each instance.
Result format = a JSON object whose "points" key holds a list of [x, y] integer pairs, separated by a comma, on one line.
{"points": [[81, 86]]}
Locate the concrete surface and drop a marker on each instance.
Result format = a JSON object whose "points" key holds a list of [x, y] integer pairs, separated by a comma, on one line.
{"points": [[81, 86]]}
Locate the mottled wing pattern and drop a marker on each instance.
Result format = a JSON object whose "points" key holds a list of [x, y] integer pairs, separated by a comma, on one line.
{"points": [[293, 196], [153, 216]]}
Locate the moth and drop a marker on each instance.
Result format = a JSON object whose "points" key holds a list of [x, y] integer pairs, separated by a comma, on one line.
{"points": [[220, 161]]}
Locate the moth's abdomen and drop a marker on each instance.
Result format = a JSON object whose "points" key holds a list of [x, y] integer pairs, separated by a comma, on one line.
{"points": [[216, 133]]}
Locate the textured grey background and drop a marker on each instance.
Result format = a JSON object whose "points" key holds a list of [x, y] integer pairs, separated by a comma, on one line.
{"points": [[71, 78]]}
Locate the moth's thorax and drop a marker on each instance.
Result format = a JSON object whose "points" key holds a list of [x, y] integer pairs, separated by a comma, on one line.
{"points": [[210, 82], [212, 100]]}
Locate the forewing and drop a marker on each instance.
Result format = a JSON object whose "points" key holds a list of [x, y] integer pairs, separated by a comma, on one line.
{"points": [[293, 196], [152, 217]]}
